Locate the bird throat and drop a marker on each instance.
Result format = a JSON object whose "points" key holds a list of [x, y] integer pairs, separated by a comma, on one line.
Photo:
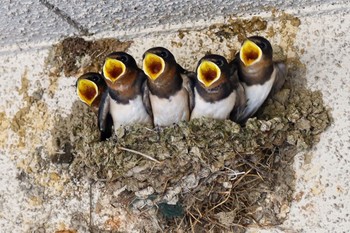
{"points": [[167, 84], [127, 87], [256, 74], [216, 93]]}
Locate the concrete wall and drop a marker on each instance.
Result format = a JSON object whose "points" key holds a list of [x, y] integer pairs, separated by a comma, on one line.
{"points": [[43, 21]]}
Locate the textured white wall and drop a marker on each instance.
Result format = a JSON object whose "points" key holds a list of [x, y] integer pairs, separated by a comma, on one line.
{"points": [[44, 21]]}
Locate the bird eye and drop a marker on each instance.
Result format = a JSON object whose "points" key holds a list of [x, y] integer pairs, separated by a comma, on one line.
{"points": [[163, 54], [95, 78], [219, 63], [123, 58], [262, 45]]}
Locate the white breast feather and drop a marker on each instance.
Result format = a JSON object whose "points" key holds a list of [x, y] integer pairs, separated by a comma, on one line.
{"points": [[256, 95], [172, 110], [125, 114], [218, 110]]}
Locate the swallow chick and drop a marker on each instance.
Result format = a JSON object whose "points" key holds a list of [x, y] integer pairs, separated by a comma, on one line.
{"points": [[217, 91], [124, 99], [169, 85], [257, 72], [90, 88]]}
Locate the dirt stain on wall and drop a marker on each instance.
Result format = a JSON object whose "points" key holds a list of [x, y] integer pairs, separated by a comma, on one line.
{"points": [[74, 56]]}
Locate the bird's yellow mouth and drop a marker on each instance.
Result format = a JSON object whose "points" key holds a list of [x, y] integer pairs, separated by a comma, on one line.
{"points": [[113, 69], [250, 53], [87, 91], [153, 65], [208, 73]]}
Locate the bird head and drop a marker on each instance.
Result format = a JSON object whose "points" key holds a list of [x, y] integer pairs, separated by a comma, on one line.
{"points": [[87, 87], [255, 49], [157, 61], [210, 69]]}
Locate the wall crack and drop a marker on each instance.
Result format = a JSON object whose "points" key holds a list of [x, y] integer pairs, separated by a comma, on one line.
{"points": [[63, 15]]}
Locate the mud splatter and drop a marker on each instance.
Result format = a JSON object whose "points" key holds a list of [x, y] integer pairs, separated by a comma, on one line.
{"points": [[74, 56], [240, 28]]}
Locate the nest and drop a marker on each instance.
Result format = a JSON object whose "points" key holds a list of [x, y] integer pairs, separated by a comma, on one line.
{"points": [[203, 175]]}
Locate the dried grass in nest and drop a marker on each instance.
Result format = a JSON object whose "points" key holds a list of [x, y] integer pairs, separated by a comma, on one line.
{"points": [[204, 175], [217, 207]]}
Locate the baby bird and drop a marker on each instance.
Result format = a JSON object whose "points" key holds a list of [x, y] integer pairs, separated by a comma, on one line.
{"points": [[169, 87], [124, 99], [90, 88], [218, 93], [257, 72]]}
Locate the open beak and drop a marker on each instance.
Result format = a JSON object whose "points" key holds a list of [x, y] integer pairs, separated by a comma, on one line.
{"points": [[153, 65], [87, 91], [113, 69], [250, 53], [208, 73]]}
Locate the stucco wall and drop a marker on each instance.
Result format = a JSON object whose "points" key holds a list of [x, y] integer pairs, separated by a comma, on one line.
{"points": [[41, 22]]}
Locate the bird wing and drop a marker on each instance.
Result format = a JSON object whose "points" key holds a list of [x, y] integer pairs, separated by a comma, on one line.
{"points": [[145, 98], [107, 133], [103, 111], [240, 104], [241, 99], [188, 84], [281, 72]]}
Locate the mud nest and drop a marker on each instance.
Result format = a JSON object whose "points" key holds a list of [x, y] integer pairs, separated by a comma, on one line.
{"points": [[204, 174]]}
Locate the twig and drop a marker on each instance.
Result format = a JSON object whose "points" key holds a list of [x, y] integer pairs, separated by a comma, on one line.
{"points": [[192, 227], [200, 214], [215, 223], [139, 153], [228, 196], [250, 164], [226, 227], [239, 179], [197, 220], [179, 225], [233, 174]]}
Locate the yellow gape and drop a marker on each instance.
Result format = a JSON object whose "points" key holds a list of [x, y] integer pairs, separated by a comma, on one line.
{"points": [[113, 69], [250, 53], [87, 91], [208, 73], [153, 65]]}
